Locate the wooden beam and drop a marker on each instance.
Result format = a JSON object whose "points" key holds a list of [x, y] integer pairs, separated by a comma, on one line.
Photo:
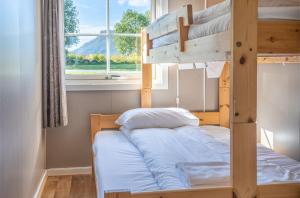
{"points": [[100, 121], [149, 44], [243, 154], [244, 60], [208, 118], [284, 190], [146, 93], [183, 32], [146, 101], [117, 195], [168, 23], [279, 36], [278, 60], [224, 97], [146, 76], [243, 97], [222, 192]]}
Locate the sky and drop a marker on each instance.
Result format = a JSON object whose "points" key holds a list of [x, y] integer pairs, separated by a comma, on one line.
{"points": [[92, 13]]}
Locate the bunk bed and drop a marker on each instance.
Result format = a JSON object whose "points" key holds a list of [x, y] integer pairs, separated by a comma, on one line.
{"points": [[247, 39], [120, 169], [184, 37]]}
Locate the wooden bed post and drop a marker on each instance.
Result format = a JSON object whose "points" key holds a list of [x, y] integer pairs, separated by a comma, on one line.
{"points": [[243, 98], [146, 92], [224, 96]]}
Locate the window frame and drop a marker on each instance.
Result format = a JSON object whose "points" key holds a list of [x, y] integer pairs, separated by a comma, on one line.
{"points": [[113, 80]]}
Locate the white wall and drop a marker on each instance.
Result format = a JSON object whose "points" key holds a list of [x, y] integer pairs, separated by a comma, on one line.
{"points": [[22, 145], [279, 106]]}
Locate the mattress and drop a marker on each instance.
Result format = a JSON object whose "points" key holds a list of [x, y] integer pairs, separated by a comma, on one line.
{"points": [[208, 24], [121, 166]]}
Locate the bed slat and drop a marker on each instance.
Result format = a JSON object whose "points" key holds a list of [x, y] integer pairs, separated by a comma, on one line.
{"points": [[208, 118]]}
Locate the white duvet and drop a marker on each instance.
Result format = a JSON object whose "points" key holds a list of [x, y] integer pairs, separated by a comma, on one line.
{"points": [[162, 149]]}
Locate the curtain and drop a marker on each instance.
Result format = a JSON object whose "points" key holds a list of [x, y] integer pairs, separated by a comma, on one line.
{"points": [[54, 93]]}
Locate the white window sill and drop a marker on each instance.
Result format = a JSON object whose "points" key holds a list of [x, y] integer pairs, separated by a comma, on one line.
{"points": [[85, 84], [97, 85]]}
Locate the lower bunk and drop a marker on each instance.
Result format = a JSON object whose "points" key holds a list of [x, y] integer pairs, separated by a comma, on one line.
{"points": [[185, 161]]}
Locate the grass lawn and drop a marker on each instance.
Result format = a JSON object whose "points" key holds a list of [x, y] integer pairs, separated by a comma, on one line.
{"points": [[118, 67]]}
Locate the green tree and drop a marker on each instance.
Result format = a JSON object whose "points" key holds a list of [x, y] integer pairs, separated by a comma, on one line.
{"points": [[131, 22], [71, 22]]}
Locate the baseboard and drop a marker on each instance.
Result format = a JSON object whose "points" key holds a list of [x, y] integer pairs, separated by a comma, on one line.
{"points": [[41, 186], [59, 172], [69, 171]]}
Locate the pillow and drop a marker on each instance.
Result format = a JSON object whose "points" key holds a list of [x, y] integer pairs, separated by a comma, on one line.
{"points": [[157, 118], [211, 13]]}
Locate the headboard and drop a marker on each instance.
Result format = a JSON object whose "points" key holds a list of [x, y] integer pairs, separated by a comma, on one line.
{"points": [[100, 122]]}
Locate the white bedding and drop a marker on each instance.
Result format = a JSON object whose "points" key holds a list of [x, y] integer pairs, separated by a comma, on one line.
{"points": [[119, 165], [200, 173], [150, 163], [162, 149], [221, 23]]}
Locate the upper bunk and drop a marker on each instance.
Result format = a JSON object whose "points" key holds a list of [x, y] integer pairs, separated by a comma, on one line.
{"points": [[186, 37]]}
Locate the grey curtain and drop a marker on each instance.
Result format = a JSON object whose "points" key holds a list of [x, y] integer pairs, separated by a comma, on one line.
{"points": [[54, 94]]}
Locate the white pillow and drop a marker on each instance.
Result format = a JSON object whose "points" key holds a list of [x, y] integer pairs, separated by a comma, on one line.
{"points": [[157, 118], [204, 16]]}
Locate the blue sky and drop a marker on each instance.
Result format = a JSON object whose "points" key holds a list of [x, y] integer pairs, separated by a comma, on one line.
{"points": [[92, 12]]}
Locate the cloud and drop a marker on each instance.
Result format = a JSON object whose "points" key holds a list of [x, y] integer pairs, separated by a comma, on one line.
{"points": [[135, 3]]}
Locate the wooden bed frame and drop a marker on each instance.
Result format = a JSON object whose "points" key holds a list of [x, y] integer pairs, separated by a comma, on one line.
{"points": [[237, 95]]}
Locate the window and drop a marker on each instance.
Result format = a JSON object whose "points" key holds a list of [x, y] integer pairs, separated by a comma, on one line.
{"points": [[102, 42]]}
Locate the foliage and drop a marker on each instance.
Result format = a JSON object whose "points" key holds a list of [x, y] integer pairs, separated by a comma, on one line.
{"points": [[94, 59], [131, 22], [127, 59], [71, 22], [97, 58]]}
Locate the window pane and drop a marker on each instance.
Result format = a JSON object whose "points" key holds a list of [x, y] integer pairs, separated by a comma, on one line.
{"points": [[131, 15], [85, 16], [85, 35], [125, 54], [86, 57]]}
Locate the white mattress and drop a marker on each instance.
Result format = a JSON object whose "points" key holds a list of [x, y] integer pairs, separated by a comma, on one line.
{"points": [[120, 165], [221, 23]]}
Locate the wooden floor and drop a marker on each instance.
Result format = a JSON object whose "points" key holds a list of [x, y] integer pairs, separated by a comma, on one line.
{"points": [[76, 186]]}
